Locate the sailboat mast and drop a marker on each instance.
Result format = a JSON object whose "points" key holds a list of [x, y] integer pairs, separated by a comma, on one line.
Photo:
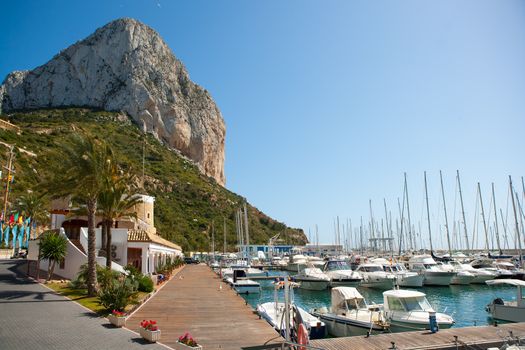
{"points": [[247, 231], [516, 220], [496, 220], [483, 217], [410, 238], [446, 217], [462, 210], [372, 232], [428, 213]]}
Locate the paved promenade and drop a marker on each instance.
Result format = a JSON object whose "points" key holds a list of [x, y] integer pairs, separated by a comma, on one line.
{"points": [[33, 317], [218, 319]]}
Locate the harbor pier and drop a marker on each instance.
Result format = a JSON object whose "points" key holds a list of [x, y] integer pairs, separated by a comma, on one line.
{"points": [[479, 337], [195, 300]]}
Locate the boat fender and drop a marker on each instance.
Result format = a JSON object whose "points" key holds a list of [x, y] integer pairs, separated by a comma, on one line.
{"points": [[302, 336]]}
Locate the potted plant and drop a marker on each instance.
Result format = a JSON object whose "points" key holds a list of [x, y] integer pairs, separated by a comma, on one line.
{"points": [[149, 331], [117, 318], [186, 342]]}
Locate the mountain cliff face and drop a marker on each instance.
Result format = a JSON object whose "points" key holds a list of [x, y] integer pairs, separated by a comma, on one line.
{"points": [[126, 66]]}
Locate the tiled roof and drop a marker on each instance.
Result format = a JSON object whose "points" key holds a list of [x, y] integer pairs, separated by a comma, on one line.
{"points": [[145, 236]]}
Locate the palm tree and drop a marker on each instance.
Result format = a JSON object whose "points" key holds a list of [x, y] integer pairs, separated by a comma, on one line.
{"points": [[116, 202], [35, 206], [53, 247], [79, 171]]}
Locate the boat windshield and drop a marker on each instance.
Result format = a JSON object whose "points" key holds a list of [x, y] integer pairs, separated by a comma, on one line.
{"points": [[370, 268], [429, 266], [356, 303], [408, 304], [337, 265]]}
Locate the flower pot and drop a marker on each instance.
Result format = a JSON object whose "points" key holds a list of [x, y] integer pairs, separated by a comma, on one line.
{"points": [[117, 321], [180, 346], [152, 336]]}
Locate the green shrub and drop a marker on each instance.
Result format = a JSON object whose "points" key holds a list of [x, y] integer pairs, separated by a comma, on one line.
{"points": [[117, 294], [145, 284]]}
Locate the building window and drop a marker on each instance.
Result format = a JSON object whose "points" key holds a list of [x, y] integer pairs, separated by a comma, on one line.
{"points": [[148, 215], [62, 264]]}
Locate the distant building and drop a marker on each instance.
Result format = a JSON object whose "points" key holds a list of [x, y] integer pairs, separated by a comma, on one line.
{"points": [[279, 249], [322, 249], [134, 240]]}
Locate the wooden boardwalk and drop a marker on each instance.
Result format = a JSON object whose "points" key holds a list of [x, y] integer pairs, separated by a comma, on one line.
{"points": [[481, 336], [192, 302]]}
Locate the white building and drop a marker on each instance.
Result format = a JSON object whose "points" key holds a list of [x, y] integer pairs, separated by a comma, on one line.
{"points": [[323, 249], [134, 241]]}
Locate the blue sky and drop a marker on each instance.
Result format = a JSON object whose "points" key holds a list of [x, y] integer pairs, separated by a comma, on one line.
{"points": [[328, 103]]}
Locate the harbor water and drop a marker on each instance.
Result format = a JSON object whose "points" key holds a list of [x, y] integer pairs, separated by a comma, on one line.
{"points": [[466, 304]]}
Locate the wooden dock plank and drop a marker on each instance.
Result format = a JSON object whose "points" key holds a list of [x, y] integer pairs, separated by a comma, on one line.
{"points": [[443, 339], [217, 319]]}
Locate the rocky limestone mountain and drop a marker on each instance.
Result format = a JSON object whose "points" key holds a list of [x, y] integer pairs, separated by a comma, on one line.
{"points": [[126, 66]]}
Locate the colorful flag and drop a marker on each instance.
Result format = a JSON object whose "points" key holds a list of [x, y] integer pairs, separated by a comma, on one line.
{"points": [[6, 235], [11, 219], [20, 220]]}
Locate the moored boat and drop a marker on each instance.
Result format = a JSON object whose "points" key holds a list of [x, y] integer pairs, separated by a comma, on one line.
{"points": [[350, 315], [408, 310], [512, 311], [312, 278], [341, 274]]}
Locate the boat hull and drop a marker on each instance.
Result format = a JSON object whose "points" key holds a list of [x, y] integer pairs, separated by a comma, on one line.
{"points": [[313, 284], [378, 283], [397, 326], [438, 278], [462, 279], [410, 281], [345, 282], [345, 327], [510, 313]]}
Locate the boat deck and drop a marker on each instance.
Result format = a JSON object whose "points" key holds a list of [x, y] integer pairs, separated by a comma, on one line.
{"points": [[467, 337], [192, 302]]}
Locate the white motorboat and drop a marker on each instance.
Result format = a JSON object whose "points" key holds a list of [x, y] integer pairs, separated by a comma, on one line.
{"points": [[462, 277], [350, 315], [316, 261], [480, 276], [341, 274], [512, 311], [312, 278], [297, 263], [375, 277], [487, 264], [408, 310], [242, 284], [250, 271], [404, 278], [427, 266]]}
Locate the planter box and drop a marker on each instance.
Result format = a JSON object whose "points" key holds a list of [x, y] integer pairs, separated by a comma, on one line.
{"points": [[180, 346], [117, 321], [152, 336]]}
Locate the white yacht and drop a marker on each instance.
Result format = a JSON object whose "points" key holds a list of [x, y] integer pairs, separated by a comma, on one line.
{"points": [[250, 271], [404, 278], [316, 261], [427, 266], [350, 315], [242, 284], [408, 310], [462, 277], [487, 264], [512, 311], [297, 263], [341, 274], [375, 277], [480, 276], [312, 278]]}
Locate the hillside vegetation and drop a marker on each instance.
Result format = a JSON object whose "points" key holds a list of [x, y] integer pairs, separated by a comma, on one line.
{"points": [[187, 202]]}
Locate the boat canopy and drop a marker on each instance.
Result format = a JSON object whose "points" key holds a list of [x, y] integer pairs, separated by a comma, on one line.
{"points": [[401, 293], [346, 298], [513, 282]]}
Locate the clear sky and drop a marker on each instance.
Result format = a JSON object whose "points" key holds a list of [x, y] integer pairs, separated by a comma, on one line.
{"points": [[328, 103]]}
